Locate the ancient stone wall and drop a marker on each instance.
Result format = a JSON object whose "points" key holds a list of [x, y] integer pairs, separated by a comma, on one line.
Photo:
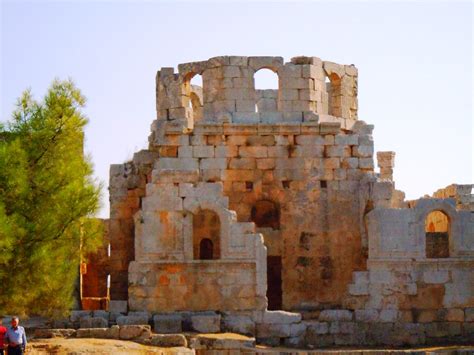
{"points": [[126, 187], [309, 171], [307, 86], [248, 200], [166, 262]]}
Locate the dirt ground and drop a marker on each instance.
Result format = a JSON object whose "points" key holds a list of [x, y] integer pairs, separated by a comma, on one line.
{"points": [[96, 346], [112, 347]]}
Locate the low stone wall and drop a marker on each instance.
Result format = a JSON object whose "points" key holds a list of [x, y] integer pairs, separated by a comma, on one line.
{"points": [[344, 327], [322, 328], [138, 333]]}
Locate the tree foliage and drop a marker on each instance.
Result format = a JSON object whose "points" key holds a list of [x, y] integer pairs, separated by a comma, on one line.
{"points": [[47, 199]]}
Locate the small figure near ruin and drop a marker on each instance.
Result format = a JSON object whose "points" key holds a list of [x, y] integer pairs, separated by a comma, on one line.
{"points": [[3, 330], [16, 338]]}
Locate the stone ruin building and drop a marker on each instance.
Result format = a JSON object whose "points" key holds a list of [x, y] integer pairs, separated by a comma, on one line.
{"points": [[248, 203]]}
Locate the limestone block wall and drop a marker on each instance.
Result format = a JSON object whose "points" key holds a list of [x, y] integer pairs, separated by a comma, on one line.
{"points": [[252, 199], [310, 172], [126, 187], [165, 265], [461, 193], [307, 86], [404, 283], [401, 233]]}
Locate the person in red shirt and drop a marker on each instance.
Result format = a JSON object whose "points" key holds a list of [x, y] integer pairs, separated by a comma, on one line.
{"points": [[3, 330]]}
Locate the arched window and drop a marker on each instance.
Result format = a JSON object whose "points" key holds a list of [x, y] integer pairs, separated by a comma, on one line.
{"points": [[333, 88], [437, 235], [265, 214], [206, 249], [193, 95], [266, 90], [206, 235]]}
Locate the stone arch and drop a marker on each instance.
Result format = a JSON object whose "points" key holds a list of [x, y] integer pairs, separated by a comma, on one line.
{"points": [[423, 209], [206, 234]]}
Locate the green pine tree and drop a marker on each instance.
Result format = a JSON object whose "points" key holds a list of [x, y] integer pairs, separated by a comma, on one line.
{"points": [[47, 199]]}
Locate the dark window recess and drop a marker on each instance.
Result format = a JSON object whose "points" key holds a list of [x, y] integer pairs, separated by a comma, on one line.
{"points": [[206, 248], [324, 184], [249, 185], [274, 281], [286, 184], [437, 245], [265, 214]]}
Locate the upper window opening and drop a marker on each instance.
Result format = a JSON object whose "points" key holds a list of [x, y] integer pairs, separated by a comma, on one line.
{"points": [[194, 96], [266, 90], [334, 91], [266, 79], [437, 235]]}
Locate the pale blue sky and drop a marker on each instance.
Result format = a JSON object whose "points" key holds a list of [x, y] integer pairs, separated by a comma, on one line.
{"points": [[414, 60]]}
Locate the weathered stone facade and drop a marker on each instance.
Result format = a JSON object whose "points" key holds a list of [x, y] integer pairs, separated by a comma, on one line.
{"points": [[249, 200]]}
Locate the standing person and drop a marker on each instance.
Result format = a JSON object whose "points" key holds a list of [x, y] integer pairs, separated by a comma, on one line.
{"points": [[16, 338], [3, 330]]}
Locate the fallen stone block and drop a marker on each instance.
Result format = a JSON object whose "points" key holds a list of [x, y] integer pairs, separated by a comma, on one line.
{"points": [[83, 333], [221, 342], [281, 317], [168, 340], [129, 332], [167, 323], [54, 333], [113, 332], [206, 323], [99, 333]]}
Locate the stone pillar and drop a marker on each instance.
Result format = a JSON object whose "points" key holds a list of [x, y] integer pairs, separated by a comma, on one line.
{"points": [[341, 90], [386, 163]]}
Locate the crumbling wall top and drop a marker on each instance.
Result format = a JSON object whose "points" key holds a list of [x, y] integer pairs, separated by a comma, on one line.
{"points": [[309, 90]]}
